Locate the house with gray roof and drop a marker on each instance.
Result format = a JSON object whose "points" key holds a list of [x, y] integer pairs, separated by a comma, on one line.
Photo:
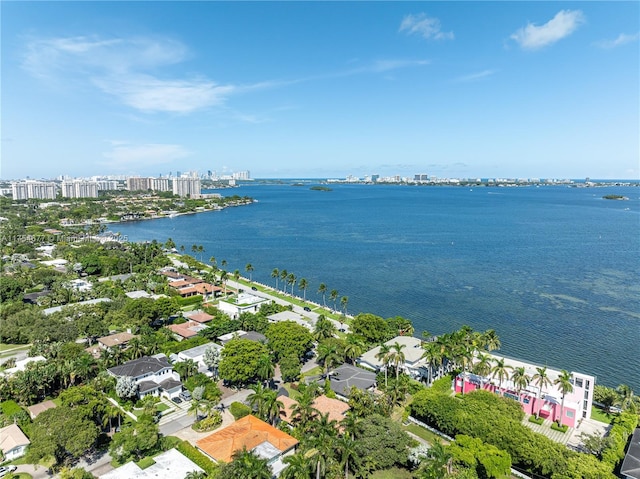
{"points": [[345, 377], [154, 375], [630, 468], [413, 365], [197, 355]]}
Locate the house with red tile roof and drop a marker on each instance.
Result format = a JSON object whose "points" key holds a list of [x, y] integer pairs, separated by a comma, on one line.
{"points": [[252, 434], [335, 408]]}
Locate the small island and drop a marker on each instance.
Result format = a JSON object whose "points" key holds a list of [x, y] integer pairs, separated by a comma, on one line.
{"points": [[615, 197], [320, 188]]}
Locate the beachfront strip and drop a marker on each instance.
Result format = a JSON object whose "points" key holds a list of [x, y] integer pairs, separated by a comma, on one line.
{"points": [[546, 401]]}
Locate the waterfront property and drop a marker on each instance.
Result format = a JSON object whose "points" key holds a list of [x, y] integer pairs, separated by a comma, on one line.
{"points": [[413, 364], [289, 316], [240, 334], [536, 398], [630, 468], [243, 303], [154, 375], [252, 434]]}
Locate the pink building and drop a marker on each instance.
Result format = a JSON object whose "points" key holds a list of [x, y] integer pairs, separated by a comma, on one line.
{"points": [[546, 401]]}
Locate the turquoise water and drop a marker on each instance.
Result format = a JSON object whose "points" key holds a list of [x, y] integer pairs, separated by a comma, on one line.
{"points": [[554, 270]]}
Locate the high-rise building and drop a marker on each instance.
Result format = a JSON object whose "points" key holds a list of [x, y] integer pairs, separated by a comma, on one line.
{"points": [[79, 189], [32, 189], [107, 185], [186, 186], [136, 183], [241, 175], [159, 184]]}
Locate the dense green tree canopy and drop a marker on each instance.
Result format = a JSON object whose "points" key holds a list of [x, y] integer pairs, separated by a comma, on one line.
{"points": [[240, 357], [287, 338]]}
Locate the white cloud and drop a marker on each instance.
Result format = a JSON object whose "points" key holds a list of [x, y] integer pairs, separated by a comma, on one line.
{"points": [[621, 40], [475, 76], [427, 27], [562, 25], [124, 155], [120, 67]]}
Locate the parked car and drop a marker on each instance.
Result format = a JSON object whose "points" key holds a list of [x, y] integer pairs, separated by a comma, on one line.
{"points": [[307, 308], [254, 288], [4, 470], [176, 400], [185, 395]]}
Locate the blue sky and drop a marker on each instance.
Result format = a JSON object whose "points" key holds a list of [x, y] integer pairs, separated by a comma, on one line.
{"points": [[301, 89]]}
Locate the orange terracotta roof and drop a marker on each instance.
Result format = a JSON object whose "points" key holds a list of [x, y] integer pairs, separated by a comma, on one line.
{"points": [[179, 284], [183, 330], [246, 432], [201, 317], [334, 407]]}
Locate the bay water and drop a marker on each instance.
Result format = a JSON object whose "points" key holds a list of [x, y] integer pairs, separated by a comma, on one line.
{"points": [[555, 270]]}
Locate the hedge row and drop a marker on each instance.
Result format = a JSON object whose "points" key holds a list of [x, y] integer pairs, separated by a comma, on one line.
{"points": [[196, 456], [622, 427]]}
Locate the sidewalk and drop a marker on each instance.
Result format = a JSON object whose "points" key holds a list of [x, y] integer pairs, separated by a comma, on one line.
{"points": [[545, 429]]}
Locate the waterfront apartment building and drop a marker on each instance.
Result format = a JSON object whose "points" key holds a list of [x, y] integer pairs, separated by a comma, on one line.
{"points": [[79, 189], [159, 184], [241, 175], [137, 183], [186, 186], [544, 399], [33, 189]]}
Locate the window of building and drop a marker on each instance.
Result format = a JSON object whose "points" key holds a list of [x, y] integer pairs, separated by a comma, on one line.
{"points": [[579, 382], [586, 394], [569, 413], [585, 405], [587, 384]]}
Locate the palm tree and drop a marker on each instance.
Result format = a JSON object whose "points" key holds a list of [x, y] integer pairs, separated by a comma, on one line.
{"points": [[328, 355], [201, 251], [212, 261], [273, 408], [432, 356], [275, 274], [135, 349], [491, 340], [500, 370], [291, 281], [236, 275], [396, 357], [333, 296], [628, 401], [297, 467], [248, 465], [303, 412], [196, 475], [249, 269], [257, 399], [383, 356], [565, 386], [283, 276], [223, 263], [265, 368], [482, 367], [322, 289], [354, 347], [324, 329], [303, 285], [520, 379], [541, 380], [223, 277], [343, 303]]}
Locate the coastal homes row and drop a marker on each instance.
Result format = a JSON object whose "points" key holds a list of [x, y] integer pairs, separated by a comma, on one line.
{"points": [[187, 286], [545, 400]]}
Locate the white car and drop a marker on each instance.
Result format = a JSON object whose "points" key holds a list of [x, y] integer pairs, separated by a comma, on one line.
{"points": [[4, 470]]}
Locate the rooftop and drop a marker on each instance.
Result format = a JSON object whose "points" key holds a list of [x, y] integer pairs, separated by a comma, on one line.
{"points": [[12, 437], [116, 339], [141, 366], [248, 432], [346, 376], [334, 407], [168, 465], [631, 465]]}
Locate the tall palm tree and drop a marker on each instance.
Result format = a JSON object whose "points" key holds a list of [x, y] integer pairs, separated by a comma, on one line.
{"points": [[303, 412], [257, 399], [236, 275], [333, 296], [482, 367], [196, 475], [520, 379], [298, 467], [343, 303], [354, 347], [541, 380], [628, 400], [248, 465], [383, 356], [323, 329], [432, 356], [322, 289], [223, 277], [303, 285], [396, 357], [291, 281], [283, 276], [265, 368], [275, 274], [201, 251], [273, 408], [329, 356], [212, 262], [249, 269], [565, 386], [491, 340], [501, 371]]}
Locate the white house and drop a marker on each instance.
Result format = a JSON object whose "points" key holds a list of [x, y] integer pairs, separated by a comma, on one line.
{"points": [[168, 465], [13, 442], [154, 375], [243, 303], [413, 365], [197, 355]]}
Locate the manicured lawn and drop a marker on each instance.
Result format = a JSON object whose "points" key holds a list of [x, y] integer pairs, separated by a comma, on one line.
{"points": [[393, 473], [424, 433], [293, 394], [162, 407], [314, 372], [8, 347], [599, 415]]}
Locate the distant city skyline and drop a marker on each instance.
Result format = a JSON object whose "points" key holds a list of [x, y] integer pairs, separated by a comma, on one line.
{"points": [[321, 89]]}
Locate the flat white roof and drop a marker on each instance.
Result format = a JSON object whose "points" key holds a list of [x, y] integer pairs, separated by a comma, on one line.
{"points": [[169, 465], [412, 350]]}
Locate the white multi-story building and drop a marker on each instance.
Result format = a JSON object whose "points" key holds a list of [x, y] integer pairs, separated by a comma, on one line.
{"points": [[159, 184], [186, 186], [107, 185], [137, 183], [79, 189], [32, 189], [241, 175]]}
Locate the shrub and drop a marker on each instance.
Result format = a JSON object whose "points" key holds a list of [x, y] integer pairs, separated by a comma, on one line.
{"points": [[562, 428], [622, 427], [196, 456], [209, 423], [239, 410], [535, 420], [191, 300]]}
